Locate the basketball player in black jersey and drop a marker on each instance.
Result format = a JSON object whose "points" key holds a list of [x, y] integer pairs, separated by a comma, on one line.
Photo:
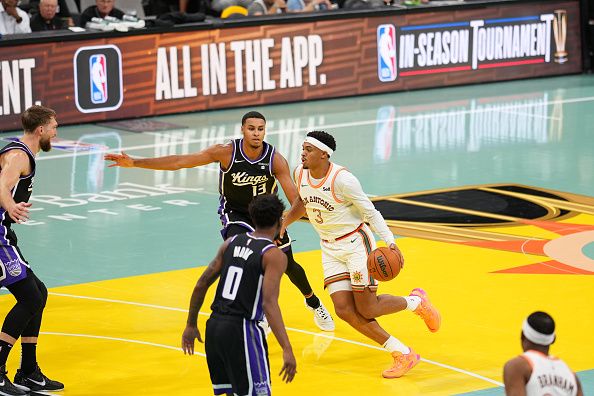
{"points": [[17, 169], [248, 167], [250, 267]]}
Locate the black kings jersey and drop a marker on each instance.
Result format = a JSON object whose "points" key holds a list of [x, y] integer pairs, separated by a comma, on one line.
{"points": [[239, 292], [245, 179], [22, 191]]}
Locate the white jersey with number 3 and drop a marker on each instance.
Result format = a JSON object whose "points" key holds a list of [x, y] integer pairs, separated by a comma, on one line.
{"points": [[330, 215], [550, 376], [336, 205]]}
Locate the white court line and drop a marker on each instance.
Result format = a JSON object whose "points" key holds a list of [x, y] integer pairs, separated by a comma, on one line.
{"points": [[327, 126], [117, 339], [478, 376]]}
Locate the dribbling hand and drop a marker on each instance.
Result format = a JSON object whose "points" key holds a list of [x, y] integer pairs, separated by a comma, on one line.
{"points": [[123, 160], [395, 249], [188, 337]]}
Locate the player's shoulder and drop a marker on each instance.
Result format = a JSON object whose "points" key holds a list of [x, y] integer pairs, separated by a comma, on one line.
{"points": [[16, 153], [521, 363], [342, 174], [226, 146], [272, 254]]}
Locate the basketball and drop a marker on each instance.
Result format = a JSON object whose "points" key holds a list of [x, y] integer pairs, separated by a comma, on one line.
{"points": [[384, 264]]}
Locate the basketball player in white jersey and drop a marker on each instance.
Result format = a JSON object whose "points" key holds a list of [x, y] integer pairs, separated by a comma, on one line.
{"points": [[535, 372], [338, 209]]}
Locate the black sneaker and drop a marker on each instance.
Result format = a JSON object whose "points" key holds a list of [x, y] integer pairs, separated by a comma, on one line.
{"points": [[6, 387], [37, 381]]}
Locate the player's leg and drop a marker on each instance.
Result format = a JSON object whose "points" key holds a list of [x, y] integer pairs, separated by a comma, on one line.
{"points": [[368, 303], [215, 344], [298, 277], [337, 280], [257, 363], [29, 375], [29, 302], [344, 305], [245, 354]]}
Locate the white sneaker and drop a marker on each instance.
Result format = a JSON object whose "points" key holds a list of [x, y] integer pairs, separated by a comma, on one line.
{"points": [[322, 317]]}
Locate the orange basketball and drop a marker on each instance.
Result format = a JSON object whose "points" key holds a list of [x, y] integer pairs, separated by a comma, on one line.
{"points": [[384, 264]]}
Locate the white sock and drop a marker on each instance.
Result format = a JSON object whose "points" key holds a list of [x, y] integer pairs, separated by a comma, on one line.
{"points": [[393, 344], [412, 302]]}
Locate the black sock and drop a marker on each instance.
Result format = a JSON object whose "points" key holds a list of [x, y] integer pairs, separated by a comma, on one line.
{"points": [[313, 301], [5, 348], [28, 358]]}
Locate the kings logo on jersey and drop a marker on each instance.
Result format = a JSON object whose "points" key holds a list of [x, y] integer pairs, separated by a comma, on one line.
{"points": [[386, 53], [98, 78]]}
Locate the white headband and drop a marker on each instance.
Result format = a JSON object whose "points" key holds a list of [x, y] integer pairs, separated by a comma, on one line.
{"points": [[316, 143], [535, 336]]}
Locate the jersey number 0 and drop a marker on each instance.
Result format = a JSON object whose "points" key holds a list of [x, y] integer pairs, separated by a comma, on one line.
{"points": [[232, 281]]}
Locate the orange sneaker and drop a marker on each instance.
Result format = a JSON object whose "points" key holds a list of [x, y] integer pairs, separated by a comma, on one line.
{"points": [[403, 363], [427, 311]]}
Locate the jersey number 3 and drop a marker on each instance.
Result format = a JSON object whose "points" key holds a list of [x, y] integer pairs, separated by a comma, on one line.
{"points": [[318, 217], [232, 281]]}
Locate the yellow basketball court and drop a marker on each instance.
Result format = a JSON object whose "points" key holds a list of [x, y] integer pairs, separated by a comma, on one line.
{"points": [[496, 221]]}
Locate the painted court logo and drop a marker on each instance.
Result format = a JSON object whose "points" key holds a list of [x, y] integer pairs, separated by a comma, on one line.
{"points": [[386, 53], [98, 78], [490, 212]]}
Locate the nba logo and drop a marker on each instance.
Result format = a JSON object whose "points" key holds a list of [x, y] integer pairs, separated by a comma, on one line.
{"points": [[386, 53], [98, 78], [98, 83]]}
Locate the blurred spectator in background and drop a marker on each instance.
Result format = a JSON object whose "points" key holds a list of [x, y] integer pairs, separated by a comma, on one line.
{"points": [[62, 11], [13, 20], [194, 6], [308, 5], [101, 9], [266, 7], [47, 18]]}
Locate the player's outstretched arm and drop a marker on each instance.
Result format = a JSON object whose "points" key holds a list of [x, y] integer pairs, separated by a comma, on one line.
{"points": [[14, 164], [516, 373], [215, 153], [210, 274], [274, 263]]}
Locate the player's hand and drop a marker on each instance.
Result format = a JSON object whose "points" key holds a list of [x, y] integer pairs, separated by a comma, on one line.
{"points": [[289, 369], [190, 334], [395, 249], [123, 160], [20, 212], [281, 233]]}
